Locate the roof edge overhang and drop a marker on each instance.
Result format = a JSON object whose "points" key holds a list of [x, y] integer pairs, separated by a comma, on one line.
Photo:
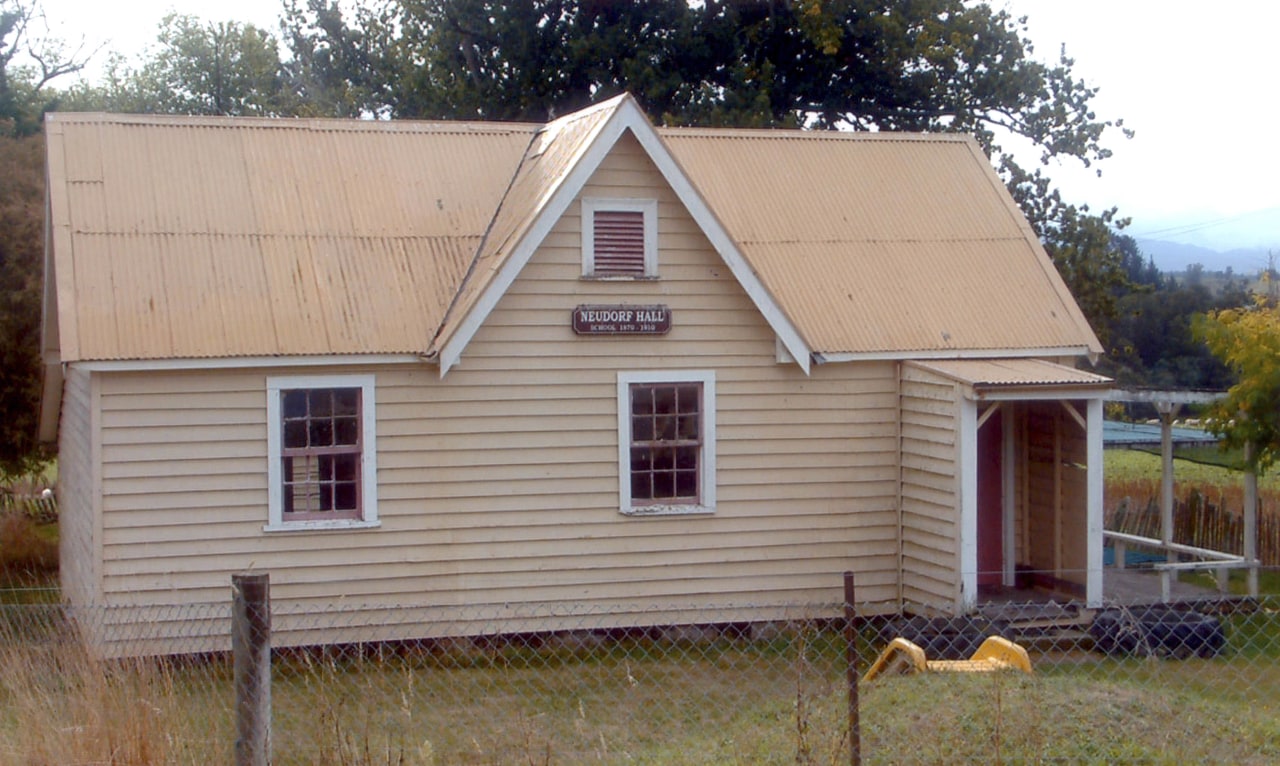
{"points": [[1047, 266], [844, 357], [626, 116], [246, 362]]}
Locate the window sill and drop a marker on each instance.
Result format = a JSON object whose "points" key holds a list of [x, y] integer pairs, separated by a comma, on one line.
{"points": [[669, 510], [318, 526]]}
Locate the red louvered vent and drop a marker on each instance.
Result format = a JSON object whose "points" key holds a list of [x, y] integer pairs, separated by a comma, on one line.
{"points": [[618, 244]]}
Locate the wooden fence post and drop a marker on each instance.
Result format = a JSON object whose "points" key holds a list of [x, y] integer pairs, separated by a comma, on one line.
{"points": [[251, 657], [851, 662]]}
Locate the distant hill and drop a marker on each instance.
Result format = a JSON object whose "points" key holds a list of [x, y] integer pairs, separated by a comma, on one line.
{"points": [[1176, 256]]}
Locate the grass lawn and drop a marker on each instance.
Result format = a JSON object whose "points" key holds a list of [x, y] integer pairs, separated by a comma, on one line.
{"points": [[733, 702], [1126, 465]]}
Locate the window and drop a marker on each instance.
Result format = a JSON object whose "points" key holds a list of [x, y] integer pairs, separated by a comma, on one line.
{"points": [[619, 238], [321, 452], [666, 442]]}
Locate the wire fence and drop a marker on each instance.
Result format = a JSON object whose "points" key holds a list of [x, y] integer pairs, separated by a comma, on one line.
{"points": [[1191, 682]]}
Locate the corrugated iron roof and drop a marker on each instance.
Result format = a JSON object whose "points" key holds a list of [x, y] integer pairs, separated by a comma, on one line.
{"points": [[186, 237], [180, 237], [885, 242], [1008, 373]]}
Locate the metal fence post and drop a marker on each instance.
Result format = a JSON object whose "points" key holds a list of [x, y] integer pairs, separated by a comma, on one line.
{"points": [[851, 663], [251, 657]]}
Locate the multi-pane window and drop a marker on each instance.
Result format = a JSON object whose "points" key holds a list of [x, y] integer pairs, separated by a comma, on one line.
{"points": [[619, 238], [320, 453], [666, 432], [666, 442], [321, 445]]}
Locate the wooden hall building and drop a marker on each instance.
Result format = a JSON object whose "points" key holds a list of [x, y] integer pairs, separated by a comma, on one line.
{"points": [[432, 370]]}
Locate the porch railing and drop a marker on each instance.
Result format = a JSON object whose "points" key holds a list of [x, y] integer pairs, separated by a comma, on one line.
{"points": [[1218, 561]]}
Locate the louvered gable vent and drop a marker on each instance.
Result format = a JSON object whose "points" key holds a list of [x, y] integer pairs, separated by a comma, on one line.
{"points": [[618, 242]]}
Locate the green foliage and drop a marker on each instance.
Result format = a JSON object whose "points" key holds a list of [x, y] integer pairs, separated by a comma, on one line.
{"points": [[341, 64], [21, 271], [1247, 340], [1151, 341], [198, 68]]}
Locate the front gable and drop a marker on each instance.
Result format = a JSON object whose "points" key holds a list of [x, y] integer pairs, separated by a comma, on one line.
{"points": [[711, 316], [564, 157]]}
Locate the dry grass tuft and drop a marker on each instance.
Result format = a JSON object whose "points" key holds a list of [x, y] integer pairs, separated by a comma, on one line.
{"points": [[25, 553], [65, 706]]}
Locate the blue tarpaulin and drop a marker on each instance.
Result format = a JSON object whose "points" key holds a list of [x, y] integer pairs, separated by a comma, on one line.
{"points": [[1118, 434]]}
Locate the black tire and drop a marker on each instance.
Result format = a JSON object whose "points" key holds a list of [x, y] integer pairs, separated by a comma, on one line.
{"points": [[946, 638], [1157, 631]]}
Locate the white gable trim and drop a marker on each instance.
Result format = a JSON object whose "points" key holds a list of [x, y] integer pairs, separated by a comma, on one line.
{"points": [[626, 116]]}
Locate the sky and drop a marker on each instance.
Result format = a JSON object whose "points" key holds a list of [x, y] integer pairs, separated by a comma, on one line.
{"points": [[1196, 81]]}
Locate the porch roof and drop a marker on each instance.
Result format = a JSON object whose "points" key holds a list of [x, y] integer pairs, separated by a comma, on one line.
{"points": [[1019, 378]]}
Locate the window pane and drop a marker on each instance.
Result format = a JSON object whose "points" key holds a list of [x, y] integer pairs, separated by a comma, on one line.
{"points": [[345, 497], [300, 470], [322, 403], [641, 459], [295, 434], [326, 497], [687, 484], [664, 486], [346, 467], [665, 427], [320, 433], [688, 427], [687, 399], [640, 486], [664, 459], [346, 431], [687, 458], [664, 399], [294, 404], [346, 401], [641, 400], [641, 428]]}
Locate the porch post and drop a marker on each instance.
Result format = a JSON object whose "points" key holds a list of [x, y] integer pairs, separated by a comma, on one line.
{"points": [[1167, 411], [1008, 528], [1093, 504], [968, 553], [1250, 550]]}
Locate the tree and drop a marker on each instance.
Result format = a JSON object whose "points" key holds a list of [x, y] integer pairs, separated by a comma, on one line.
{"points": [[341, 63], [199, 68], [21, 209], [21, 84], [22, 102], [1247, 340]]}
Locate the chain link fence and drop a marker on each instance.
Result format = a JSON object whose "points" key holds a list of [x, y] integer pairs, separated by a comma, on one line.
{"points": [[1191, 682]]}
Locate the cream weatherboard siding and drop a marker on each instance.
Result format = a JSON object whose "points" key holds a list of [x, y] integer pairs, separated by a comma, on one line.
{"points": [[930, 488], [498, 485], [77, 477]]}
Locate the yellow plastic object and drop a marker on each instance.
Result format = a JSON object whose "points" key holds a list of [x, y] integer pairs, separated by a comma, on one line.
{"points": [[902, 656]]}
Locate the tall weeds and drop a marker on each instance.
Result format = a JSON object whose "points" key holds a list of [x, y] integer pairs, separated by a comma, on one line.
{"points": [[63, 706]]}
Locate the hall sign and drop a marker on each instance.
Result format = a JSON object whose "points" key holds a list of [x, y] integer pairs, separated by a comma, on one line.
{"points": [[622, 320]]}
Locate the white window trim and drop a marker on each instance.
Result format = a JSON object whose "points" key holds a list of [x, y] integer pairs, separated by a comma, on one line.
{"points": [[647, 206], [368, 452], [707, 464]]}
